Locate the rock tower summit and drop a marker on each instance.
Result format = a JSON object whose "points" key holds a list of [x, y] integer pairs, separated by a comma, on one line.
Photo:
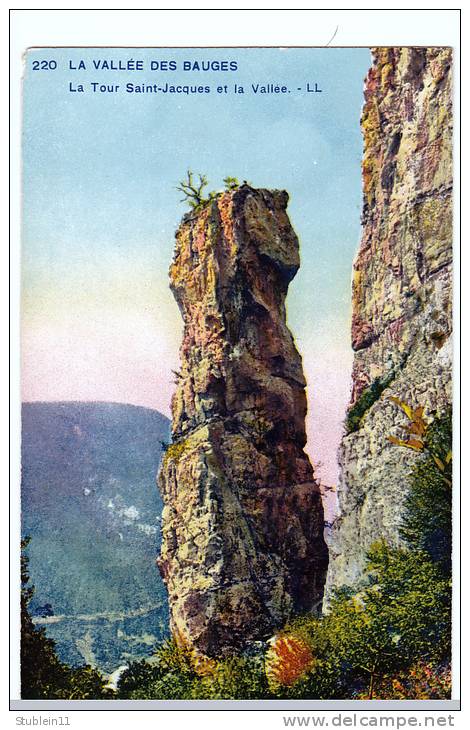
{"points": [[243, 547]]}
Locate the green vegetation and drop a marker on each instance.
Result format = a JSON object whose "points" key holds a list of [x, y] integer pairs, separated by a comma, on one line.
{"points": [[238, 677], [421, 681], [389, 636], [401, 613], [231, 183], [175, 451], [369, 643], [194, 190], [427, 524], [171, 674], [367, 399], [43, 675]]}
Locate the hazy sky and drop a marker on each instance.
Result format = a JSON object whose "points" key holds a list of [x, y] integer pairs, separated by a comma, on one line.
{"points": [[101, 209]]}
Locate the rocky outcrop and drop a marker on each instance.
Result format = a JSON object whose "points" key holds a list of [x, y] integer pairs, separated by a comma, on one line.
{"points": [[243, 546], [402, 295]]}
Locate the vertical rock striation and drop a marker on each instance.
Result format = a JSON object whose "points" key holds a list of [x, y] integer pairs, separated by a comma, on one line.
{"points": [[402, 296], [243, 546]]}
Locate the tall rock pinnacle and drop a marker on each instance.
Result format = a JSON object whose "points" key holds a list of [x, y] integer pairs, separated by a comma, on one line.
{"points": [[243, 546], [402, 293]]}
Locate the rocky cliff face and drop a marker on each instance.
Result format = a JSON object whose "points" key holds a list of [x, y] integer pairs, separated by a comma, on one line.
{"points": [[243, 545], [402, 296]]}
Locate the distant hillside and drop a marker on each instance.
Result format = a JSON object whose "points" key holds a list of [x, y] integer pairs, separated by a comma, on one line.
{"points": [[92, 508]]}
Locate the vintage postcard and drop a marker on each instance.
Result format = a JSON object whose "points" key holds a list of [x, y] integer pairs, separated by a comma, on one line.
{"points": [[236, 343]]}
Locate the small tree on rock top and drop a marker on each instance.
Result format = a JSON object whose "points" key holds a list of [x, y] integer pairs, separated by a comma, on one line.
{"points": [[194, 191], [231, 183]]}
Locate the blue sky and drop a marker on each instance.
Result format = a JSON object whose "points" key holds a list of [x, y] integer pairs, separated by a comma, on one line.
{"points": [[100, 210]]}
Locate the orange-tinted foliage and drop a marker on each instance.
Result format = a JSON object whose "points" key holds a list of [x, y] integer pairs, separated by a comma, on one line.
{"points": [[415, 429], [287, 660]]}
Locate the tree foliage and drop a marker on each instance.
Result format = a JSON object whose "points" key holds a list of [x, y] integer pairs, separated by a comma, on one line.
{"points": [[366, 400], [287, 660], [231, 183], [397, 618], [399, 614], [170, 674], [43, 675], [388, 636], [237, 677], [173, 673], [421, 681], [427, 521], [193, 189]]}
